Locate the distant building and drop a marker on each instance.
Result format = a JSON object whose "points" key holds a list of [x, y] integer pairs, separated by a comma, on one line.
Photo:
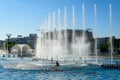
{"points": [[1, 43], [69, 36], [78, 33], [30, 40], [102, 41], [19, 36], [18, 40]]}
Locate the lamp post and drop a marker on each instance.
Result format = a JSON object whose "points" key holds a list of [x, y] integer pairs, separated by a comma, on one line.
{"points": [[8, 48]]}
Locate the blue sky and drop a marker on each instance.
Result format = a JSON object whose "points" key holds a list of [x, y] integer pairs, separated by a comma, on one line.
{"points": [[22, 17]]}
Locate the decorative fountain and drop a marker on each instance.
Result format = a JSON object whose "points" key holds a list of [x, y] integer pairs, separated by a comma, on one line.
{"points": [[111, 64], [53, 49], [54, 43]]}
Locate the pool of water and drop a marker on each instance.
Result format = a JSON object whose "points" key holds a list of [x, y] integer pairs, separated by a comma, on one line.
{"points": [[91, 72]]}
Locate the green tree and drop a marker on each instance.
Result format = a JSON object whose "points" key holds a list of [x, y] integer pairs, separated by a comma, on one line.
{"points": [[9, 45]]}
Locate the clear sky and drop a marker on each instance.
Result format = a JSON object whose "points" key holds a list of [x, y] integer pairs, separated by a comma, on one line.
{"points": [[22, 17]]}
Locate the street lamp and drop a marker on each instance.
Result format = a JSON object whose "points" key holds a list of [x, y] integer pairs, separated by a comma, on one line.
{"points": [[8, 48]]}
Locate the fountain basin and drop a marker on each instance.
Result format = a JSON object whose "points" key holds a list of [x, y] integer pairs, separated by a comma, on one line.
{"points": [[42, 65]]}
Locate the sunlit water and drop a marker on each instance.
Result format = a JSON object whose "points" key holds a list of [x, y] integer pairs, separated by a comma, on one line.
{"points": [[81, 73]]}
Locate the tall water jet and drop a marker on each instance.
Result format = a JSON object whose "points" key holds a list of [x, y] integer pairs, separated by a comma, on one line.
{"points": [[95, 23], [42, 38], [58, 24], [59, 30], [45, 29], [48, 37], [83, 21], [83, 33], [65, 31], [37, 44], [73, 32], [111, 42], [73, 25], [54, 26], [53, 34], [49, 26]]}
